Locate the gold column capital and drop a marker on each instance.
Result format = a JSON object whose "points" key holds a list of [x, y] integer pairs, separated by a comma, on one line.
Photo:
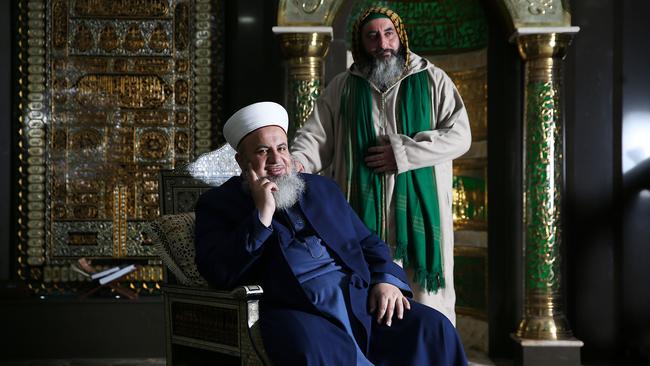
{"points": [[543, 42], [305, 49], [297, 43]]}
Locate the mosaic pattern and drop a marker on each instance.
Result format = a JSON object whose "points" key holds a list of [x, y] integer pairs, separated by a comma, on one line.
{"points": [[303, 95], [215, 167], [543, 183], [436, 27], [111, 92]]}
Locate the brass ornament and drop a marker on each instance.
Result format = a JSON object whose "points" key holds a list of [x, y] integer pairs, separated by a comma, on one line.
{"points": [[181, 26], [541, 7], [153, 144], [156, 65], [83, 39], [159, 41], [121, 8], [127, 91], [134, 40], [469, 194], [60, 26], [537, 13], [108, 39], [307, 12], [182, 142], [310, 6], [181, 92]]}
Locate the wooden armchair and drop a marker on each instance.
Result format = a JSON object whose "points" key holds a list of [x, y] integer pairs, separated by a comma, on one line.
{"points": [[203, 325]]}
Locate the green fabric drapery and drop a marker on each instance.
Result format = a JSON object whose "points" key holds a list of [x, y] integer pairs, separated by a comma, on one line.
{"points": [[417, 215]]}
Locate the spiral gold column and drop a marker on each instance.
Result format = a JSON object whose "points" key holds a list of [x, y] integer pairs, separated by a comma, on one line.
{"points": [[305, 49]]}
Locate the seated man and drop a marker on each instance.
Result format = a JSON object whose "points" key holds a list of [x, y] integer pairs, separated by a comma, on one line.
{"points": [[332, 294]]}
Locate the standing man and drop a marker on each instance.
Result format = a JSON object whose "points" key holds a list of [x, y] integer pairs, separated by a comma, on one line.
{"points": [[387, 130]]}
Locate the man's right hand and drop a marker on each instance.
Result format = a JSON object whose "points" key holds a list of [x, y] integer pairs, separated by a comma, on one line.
{"points": [[261, 190]]}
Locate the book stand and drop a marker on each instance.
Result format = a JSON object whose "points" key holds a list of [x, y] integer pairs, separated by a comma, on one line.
{"points": [[113, 286]]}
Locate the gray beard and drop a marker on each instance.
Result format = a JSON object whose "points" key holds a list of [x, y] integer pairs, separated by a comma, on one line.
{"points": [[290, 188], [385, 73]]}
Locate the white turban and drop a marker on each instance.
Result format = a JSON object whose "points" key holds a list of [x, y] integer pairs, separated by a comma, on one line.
{"points": [[252, 117]]}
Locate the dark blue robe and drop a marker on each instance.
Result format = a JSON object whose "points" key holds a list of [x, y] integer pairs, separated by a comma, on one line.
{"points": [[294, 331]]}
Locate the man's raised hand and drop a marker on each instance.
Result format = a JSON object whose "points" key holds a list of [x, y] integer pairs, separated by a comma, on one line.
{"points": [[261, 190]]}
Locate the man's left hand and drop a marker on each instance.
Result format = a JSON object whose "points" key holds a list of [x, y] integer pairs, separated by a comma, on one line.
{"points": [[387, 300], [381, 158]]}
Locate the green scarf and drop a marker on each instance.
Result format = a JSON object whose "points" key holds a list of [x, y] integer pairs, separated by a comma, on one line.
{"points": [[417, 218]]}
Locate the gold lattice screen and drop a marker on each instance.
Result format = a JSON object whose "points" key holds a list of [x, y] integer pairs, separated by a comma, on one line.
{"points": [[114, 91]]}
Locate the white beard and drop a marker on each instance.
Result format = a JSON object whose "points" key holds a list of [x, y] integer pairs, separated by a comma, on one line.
{"points": [[290, 188], [385, 72]]}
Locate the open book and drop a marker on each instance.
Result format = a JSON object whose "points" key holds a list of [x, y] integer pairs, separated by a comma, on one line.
{"points": [[96, 275], [106, 278], [114, 273]]}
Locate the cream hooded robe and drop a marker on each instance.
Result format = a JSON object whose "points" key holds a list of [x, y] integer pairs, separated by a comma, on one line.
{"points": [[319, 146]]}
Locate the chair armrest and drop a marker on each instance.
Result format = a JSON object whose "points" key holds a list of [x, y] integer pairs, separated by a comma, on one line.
{"points": [[249, 292]]}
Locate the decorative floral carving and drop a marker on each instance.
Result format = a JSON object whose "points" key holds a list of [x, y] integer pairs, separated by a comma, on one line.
{"points": [[153, 144], [181, 91], [159, 41], [133, 41], [83, 39], [108, 39], [540, 7], [181, 26], [121, 8], [309, 6], [182, 143], [60, 24]]}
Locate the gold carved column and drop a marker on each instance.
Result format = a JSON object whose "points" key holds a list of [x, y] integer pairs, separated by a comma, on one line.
{"points": [[544, 322], [305, 49], [304, 31]]}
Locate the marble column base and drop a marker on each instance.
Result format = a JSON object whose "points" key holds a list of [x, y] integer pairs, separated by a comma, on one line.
{"points": [[534, 352]]}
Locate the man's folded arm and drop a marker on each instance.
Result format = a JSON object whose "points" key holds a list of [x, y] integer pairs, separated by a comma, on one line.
{"points": [[226, 250]]}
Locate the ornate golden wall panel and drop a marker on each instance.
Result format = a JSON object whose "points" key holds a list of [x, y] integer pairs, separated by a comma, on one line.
{"points": [[468, 70], [112, 91]]}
